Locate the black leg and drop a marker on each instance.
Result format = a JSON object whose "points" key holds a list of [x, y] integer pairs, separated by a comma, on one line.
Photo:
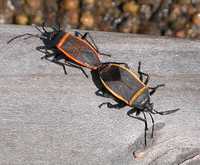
{"points": [[75, 66], [39, 29], [48, 55], [94, 44], [155, 88], [109, 105], [104, 93], [142, 119], [69, 64], [58, 56], [54, 60], [84, 38], [145, 129], [147, 80], [116, 106], [152, 125], [64, 68], [143, 74], [44, 28]]}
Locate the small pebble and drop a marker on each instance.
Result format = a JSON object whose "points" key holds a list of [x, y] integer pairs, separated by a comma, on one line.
{"points": [[196, 18], [131, 7], [22, 19], [69, 4], [87, 19]]}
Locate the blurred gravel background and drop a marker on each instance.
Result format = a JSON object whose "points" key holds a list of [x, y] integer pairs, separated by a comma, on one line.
{"points": [[179, 18]]}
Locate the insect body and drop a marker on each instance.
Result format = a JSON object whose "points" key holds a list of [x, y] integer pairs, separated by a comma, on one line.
{"points": [[77, 49], [129, 88]]}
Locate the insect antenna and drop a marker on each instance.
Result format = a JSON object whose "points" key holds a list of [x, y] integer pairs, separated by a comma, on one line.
{"points": [[165, 112]]}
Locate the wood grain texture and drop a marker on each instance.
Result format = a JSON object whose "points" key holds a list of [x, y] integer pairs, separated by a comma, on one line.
{"points": [[47, 117]]}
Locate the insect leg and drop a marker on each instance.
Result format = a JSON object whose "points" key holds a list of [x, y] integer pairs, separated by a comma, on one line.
{"points": [[152, 125], [55, 60], [144, 120], [145, 129], [108, 105], [75, 66], [155, 88], [48, 53], [116, 106], [94, 44], [143, 74], [84, 37], [44, 28]]}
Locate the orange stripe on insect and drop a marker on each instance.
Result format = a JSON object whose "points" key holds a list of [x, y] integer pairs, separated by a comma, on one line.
{"points": [[137, 94]]}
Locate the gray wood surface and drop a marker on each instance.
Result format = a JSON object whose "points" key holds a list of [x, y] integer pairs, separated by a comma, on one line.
{"points": [[47, 117]]}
